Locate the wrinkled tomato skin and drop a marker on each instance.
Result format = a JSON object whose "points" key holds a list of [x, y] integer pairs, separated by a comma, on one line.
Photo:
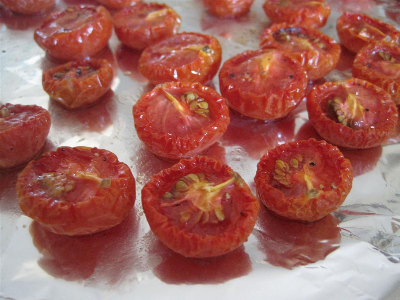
{"points": [[69, 85], [303, 12], [317, 61], [23, 132], [172, 59], [381, 110], [28, 7], [350, 25], [118, 4], [385, 73], [78, 32], [331, 175], [102, 194], [228, 8], [165, 132], [262, 97], [208, 240], [135, 31]]}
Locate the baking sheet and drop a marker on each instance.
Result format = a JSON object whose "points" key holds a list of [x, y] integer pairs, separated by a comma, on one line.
{"points": [[353, 254]]}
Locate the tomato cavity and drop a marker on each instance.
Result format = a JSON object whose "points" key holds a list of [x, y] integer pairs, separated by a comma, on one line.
{"points": [[385, 63], [296, 40]]}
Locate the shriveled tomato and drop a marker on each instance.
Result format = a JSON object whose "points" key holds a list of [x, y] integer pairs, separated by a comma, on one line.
{"points": [[28, 7], [145, 24], [303, 180], [352, 114], [307, 13], [200, 207], [187, 56], [118, 4], [263, 84], [180, 120], [228, 8], [78, 83], [318, 53], [23, 132], [77, 32], [355, 31], [76, 191], [380, 65]]}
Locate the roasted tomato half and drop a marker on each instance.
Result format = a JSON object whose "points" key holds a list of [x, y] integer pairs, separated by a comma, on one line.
{"points": [[303, 180], [352, 114], [187, 56], [306, 13], [76, 191], [355, 31], [200, 207], [228, 8], [23, 132], [180, 120], [145, 24], [28, 7], [318, 53], [77, 32], [263, 84], [118, 4], [380, 65]]}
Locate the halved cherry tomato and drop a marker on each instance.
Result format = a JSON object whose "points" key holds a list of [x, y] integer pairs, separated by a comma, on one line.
{"points": [[76, 191], [306, 13], [28, 7], [78, 83], [318, 53], [352, 114], [77, 32], [263, 84], [180, 120], [145, 24], [23, 132], [228, 8], [118, 4], [187, 56], [355, 31], [380, 65], [303, 180], [200, 207]]}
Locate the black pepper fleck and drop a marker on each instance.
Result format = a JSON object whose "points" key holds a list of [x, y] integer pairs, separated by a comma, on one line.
{"points": [[312, 163]]}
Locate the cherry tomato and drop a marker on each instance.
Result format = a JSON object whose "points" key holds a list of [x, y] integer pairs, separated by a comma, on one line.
{"points": [[380, 65], [78, 83], [187, 56], [355, 31], [28, 7], [352, 114], [118, 4], [180, 120], [263, 84], [318, 53], [23, 132], [200, 207], [146, 24], [228, 8], [307, 13], [303, 180], [77, 32], [76, 191]]}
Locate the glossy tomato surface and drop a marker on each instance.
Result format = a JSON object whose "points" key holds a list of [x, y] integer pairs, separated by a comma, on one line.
{"points": [[263, 84], [187, 56], [118, 4], [307, 13], [77, 32], [380, 65], [78, 83], [180, 120], [28, 7], [228, 8], [303, 180], [23, 132], [200, 207], [318, 53], [145, 24], [355, 31], [352, 114], [76, 191]]}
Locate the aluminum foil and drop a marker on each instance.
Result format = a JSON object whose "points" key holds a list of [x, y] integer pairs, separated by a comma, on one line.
{"points": [[352, 254]]}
